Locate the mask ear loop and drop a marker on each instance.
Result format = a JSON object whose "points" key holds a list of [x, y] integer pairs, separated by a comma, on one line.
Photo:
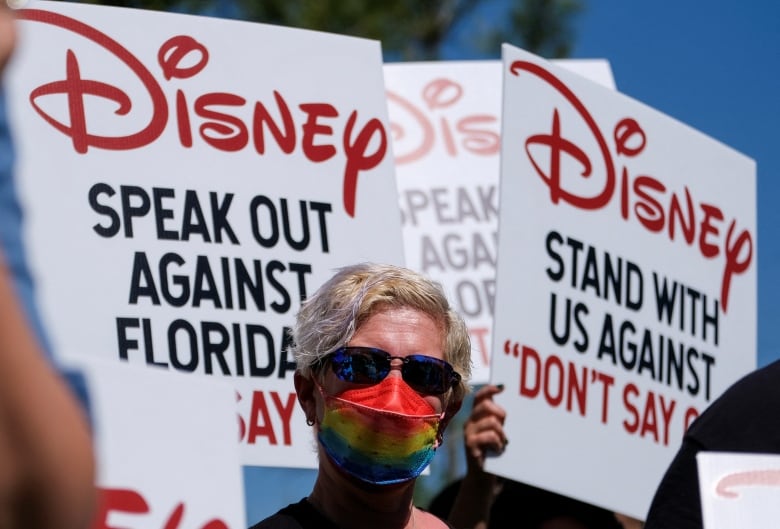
{"points": [[439, 438], [440, 429], [316, 376], [442, 423]]}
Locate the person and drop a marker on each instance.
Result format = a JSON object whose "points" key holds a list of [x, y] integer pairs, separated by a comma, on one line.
{"points": [[46, 458], [742, 419], [486, 501], [382, 366]]}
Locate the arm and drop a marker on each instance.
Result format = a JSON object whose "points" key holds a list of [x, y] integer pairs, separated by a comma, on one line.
{"points": [[483, 434], [47, 476], [46, 465]]}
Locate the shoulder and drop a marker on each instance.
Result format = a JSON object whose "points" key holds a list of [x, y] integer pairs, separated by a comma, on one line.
{"points": [[741, 419], [278, 521], [301, 515]]}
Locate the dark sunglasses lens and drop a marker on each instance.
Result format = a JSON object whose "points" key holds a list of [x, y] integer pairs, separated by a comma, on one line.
{"points": [[427, 375], [360, 366]]}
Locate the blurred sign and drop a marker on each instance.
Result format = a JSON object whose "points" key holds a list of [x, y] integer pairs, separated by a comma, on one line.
{"points": [[166, 449]]}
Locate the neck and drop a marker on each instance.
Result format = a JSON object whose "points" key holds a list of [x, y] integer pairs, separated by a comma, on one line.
{"points": [[350, 504]]}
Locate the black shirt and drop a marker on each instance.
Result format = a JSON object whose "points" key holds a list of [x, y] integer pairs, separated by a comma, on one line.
{"points": [[521, 506], [301, 515], [743, 419]]}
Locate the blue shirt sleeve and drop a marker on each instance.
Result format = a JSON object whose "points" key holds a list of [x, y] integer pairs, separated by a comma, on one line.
{"points": [[13, 252], [11, 237]]}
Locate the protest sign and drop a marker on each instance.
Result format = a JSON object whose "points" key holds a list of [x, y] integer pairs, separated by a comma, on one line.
{"points": [[187, 181], [445, 120], [165, 449], [625, 284], [739, 490]]}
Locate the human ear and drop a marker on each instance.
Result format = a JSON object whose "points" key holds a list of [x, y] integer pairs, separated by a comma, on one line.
{"points": [[305, 389], [453, 406]]}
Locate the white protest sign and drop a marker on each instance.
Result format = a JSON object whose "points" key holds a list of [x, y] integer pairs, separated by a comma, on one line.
{"points": [[625, 284], [739, 491], [165, 448], [446, 123], [187, 181]]}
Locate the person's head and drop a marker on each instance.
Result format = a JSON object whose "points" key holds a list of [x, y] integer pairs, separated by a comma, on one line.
{"points": [[331, 317], [343, 341]]}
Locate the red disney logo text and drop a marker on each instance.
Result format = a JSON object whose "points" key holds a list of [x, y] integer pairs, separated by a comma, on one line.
{"points": [[726, 485], [647, 198], [472, 133], [221, 126], [126, 501]]}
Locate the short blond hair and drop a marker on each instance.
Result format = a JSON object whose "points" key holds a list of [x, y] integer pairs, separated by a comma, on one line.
{"points": [[329, 318]]}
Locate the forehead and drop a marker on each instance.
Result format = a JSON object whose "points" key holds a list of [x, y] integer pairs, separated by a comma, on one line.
{"points": [[401, 331]]}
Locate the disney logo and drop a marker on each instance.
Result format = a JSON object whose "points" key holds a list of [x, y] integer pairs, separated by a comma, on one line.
{"points": [[417, 130], [642, 198], [125, 501], [228, 122]]}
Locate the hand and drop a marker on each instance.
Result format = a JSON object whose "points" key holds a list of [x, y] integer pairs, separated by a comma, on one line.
{"points": [[483, 434], [483, 431]]}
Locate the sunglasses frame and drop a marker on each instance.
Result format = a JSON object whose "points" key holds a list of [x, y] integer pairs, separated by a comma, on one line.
{"points": [[449, 376]]}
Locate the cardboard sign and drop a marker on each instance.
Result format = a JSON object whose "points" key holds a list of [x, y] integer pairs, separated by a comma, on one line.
{"points": [[445, 120], [166, 451], [739, 490], [625, 284], [187, 181]]}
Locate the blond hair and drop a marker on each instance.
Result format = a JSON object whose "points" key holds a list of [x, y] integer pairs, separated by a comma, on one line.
{"points": [[329, 318]]}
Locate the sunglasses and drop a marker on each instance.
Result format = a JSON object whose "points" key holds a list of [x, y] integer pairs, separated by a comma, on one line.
{"points": [[369, 365]]}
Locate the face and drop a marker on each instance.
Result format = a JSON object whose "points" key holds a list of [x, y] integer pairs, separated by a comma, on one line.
{"points": [[399, 331], [373, 426]]}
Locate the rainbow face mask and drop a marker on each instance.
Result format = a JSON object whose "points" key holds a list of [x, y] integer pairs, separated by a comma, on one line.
{"points": [[381, 434]]}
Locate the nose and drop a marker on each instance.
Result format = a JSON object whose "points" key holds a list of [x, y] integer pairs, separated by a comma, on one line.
{"points": [[396, 364], [397, 396]]}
